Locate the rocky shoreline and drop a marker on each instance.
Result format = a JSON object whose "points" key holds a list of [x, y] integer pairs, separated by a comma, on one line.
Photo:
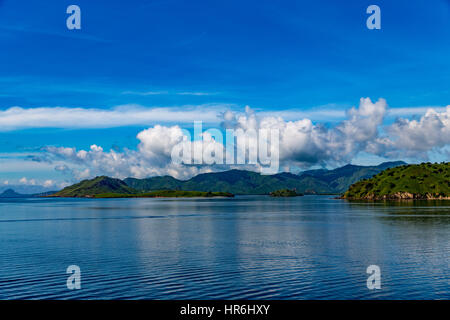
{"points": [[400, 196]]}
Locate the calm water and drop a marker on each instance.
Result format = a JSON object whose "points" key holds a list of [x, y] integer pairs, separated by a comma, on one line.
{"points": [[255, 247]]}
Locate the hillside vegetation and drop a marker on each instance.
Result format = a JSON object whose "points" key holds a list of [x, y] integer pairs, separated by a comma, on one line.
{"points": [[285, 193], [105, 187], [96, 186], [421, 181], [321, 181], [167, 194]]}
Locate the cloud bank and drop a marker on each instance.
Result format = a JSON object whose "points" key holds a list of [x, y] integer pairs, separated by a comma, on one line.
{"points": [[415, 138], [303, 143], [18, 118]]}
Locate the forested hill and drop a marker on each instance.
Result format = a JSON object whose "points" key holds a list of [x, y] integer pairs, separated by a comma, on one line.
{"points": [[96, 186], [420, 181], [334, 181], [233, 181]]}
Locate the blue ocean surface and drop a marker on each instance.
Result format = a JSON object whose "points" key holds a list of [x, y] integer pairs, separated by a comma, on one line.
{"points": [[249, 247]]}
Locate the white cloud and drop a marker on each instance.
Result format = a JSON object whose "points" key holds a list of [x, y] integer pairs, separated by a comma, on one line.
{"points": [[145, 93], [415, 138], [413, 111], [187, 93], [59, 117], [303, 143], [183, 93], [29, 182], [333, 112], [16, 118], [49, 183], [153, 157]]}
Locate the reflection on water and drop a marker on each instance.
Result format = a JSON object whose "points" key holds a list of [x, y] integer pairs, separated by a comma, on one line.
{"points": [[251, 247]]}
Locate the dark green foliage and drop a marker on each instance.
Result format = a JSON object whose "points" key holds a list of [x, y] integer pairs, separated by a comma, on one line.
{"points": [[98, 185], [232, 181], [419, 181], [247, 182], [104, 187], [167, 194], [285, 193]]}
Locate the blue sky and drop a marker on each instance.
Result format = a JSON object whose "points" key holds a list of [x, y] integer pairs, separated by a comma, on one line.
{"points": [[294, 56]]}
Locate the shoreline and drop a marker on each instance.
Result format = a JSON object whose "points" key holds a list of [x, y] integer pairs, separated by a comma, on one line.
{"points": [[399, 197]]}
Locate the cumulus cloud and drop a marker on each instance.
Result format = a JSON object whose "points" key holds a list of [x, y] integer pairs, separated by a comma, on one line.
{"points": [[17, 118], [49, 183], [302, 143], [415, 138], [25, 181], [30, 182], [153, 157]]}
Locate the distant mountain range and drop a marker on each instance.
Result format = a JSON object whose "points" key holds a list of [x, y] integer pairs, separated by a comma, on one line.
{"points": [[239, 182], [321, 181], [233, 181], [25, 189], [10, 193]]}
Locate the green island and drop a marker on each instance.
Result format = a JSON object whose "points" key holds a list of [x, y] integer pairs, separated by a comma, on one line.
{"points": [[166, 194], [237, 182], [285, 193], [391, 180], [105, 187], [425, 181]]}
